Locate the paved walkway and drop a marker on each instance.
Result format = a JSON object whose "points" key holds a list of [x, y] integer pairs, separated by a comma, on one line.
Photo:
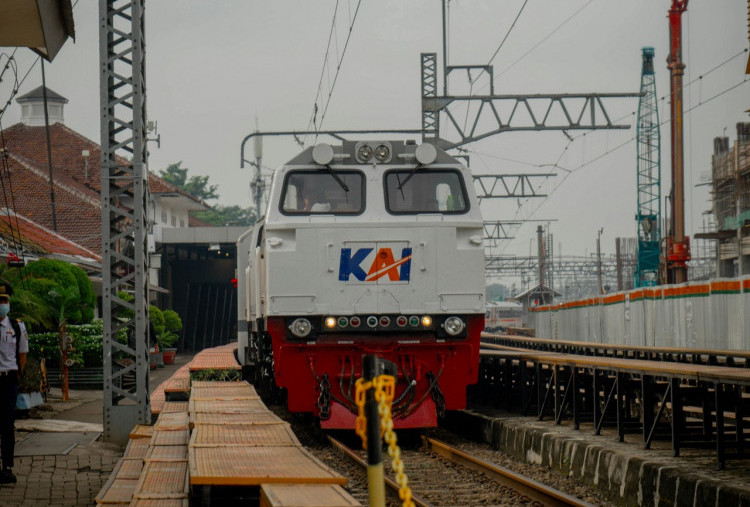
{"points": [[74, 478]]}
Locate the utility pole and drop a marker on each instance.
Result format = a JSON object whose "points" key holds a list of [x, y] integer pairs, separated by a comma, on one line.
{"points": [[256, 185], [599, 259], [678, 245], [49, 152], [540, 250]]}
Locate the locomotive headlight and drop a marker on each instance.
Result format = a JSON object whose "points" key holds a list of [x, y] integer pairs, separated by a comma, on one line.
{"points": [[301, 328], [364, 153], [426, 321], [453, 326], [382, 153], [330, 322]]}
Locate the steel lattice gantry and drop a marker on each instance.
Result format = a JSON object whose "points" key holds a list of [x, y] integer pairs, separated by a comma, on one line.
{"points": [[495, 114], [124, 197], [648, 137]]}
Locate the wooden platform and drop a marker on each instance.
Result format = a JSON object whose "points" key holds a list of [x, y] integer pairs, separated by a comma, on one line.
{"points": [[304, 495], [224, 436]]}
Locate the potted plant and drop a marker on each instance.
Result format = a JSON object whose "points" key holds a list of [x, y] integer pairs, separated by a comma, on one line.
{"points": [[168, 337], [29, 393]]}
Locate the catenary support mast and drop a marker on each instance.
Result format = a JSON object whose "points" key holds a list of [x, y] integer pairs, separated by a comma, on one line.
{"points": [[124, 194]]}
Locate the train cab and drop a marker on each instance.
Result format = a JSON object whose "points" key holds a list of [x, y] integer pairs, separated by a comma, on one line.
{"points": [[366, 247]]}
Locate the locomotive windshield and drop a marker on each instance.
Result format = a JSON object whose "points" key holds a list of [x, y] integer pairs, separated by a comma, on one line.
{"points": [[425, 191], [319, 192]]}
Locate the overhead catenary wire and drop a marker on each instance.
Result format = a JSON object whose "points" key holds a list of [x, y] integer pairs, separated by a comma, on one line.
{"points": [[558, 27], [507, 34], [338, 67], [313, 115]]}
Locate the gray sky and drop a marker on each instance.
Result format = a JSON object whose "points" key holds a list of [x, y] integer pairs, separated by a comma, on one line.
{"points": [[213, 68]]}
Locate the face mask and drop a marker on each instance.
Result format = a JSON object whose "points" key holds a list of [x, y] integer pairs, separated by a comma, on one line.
{"points": [[4, 309]]}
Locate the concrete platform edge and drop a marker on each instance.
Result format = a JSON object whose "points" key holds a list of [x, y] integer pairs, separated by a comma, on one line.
{"points": [[627, 478]]}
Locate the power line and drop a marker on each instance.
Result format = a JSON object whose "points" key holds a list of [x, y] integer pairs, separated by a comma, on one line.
{"points": [[323, 68], [541, 41], [504, 38], [338, 67]]}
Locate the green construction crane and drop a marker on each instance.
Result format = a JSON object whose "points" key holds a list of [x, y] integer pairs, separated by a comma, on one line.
{"points": [[648, 217]]}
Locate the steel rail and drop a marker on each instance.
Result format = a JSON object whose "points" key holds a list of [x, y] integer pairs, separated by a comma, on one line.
{"points": [[535, 491], [392, 487]]}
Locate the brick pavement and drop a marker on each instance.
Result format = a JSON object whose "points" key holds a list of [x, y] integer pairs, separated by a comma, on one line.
{"points": [[61, 480], [75, 478]]}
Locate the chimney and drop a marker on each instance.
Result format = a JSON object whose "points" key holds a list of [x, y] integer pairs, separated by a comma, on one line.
{"points": [[32, 107]]}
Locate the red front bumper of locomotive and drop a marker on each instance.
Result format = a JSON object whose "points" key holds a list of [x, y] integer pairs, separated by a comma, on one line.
{"points": [[319, 374]]}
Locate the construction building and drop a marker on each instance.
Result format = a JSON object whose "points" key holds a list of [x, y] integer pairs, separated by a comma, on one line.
{"points": [[730, 174]]}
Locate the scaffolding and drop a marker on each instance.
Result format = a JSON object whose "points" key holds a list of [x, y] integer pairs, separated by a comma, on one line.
{"points": [[730, 171]]}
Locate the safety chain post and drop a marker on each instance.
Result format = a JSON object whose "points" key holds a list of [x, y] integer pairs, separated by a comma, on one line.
{"points": [[124, 194], [379, 391], [375, 478]]}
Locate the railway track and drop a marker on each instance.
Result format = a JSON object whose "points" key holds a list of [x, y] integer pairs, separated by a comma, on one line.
{"points": [[440, 474]]}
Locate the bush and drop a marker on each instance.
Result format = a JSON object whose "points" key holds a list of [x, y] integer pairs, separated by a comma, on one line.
{"points": [[60, 284], [87, 345]]}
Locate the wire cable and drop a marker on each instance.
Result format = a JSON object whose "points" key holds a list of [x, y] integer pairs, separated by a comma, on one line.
{"points": [[338, 68]]}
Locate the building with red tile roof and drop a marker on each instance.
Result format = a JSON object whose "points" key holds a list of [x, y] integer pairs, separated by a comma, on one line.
{"points": [[25, 239], [25, 185]]}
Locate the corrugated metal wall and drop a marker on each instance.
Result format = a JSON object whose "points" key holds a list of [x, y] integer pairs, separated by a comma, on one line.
{"points": [[696, 315]]}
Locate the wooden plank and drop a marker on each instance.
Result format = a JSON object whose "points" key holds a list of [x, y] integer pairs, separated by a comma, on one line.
{"points": [[263, 435], [163, 479], [305, 495], [141, 431], [253, 466]]}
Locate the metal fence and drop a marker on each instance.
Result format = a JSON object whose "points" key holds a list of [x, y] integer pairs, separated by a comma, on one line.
{"points": [[714, 314]]}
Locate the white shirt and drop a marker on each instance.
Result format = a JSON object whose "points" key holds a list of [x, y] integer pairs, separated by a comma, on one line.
{"points": [[8, 344]]}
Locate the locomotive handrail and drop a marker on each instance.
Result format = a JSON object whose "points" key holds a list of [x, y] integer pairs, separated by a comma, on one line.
{"points": [[336, 134]]}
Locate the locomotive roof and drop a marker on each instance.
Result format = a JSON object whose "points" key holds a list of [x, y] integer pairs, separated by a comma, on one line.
{"points": [[349, 147]]}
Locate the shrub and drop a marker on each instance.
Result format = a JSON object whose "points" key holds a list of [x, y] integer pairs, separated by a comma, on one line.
{"points": [[87, 345]]}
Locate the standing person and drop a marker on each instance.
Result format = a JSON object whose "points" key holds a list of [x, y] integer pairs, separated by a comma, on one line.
{"points": [[14, 345]]}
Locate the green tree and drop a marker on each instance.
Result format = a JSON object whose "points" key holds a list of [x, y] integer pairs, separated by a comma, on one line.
{"points": [[58, 284], [228, 215], [175, 174], [195, 185]]}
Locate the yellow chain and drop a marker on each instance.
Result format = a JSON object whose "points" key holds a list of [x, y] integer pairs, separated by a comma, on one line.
{"points": [[385, 386]]}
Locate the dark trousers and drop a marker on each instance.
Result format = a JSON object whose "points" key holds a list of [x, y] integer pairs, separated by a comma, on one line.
{"points": [[8, 395]]}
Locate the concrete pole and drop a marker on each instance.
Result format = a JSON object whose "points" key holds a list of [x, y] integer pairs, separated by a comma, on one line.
{"points": [[599, 259]]}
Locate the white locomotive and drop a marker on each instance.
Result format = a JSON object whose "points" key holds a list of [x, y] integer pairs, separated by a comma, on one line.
{"points": [[366, 247]]}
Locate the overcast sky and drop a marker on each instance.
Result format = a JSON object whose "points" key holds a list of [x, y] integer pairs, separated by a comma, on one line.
{"points": [[216, 68]]}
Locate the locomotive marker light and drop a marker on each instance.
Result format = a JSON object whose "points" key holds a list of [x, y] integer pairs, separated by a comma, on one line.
{"points": [[343, 321], [426, 321], [330, 322], [301, 328], [372, 321], [383, 153], [453, 326], [322, 154], [413, 321], [401, 321], [385, 321], [364, 153], [425, 154], [355, 321]]}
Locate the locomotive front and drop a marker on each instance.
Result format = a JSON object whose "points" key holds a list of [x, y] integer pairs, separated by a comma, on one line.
{"points": [[368, 248]]}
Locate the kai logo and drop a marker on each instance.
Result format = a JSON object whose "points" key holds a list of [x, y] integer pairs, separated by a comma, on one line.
{"points": [[376, 264]]}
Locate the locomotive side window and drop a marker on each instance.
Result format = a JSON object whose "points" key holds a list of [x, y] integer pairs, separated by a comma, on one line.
{"points": [[319, 192], [425, 191]]}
